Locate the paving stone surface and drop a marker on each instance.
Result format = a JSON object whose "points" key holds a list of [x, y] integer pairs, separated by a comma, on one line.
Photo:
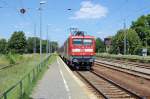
{"points": [[57, 83]]}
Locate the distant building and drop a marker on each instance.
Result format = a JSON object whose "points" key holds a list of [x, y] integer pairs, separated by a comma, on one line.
{"points": [[108, 43]]}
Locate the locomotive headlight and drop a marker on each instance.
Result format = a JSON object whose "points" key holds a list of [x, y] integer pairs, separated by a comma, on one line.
{"points": [[88, 50], [75, 60], [76, 50], [91, 60]]}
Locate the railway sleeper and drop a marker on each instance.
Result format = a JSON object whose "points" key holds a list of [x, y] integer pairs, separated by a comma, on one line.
{"points": [[115, 97], [108, 92], [113, 91], [120, 97], [128, 71], [108, 87], [116, 94]]}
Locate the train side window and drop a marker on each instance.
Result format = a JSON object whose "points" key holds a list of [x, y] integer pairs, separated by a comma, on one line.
{"points": [[77, 41]]}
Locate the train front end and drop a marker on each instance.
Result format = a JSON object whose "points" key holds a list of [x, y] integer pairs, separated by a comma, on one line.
{"points": [[82, 51]]}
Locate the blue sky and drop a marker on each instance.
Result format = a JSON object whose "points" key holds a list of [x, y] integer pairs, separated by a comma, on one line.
{"points": [[100, 18]]}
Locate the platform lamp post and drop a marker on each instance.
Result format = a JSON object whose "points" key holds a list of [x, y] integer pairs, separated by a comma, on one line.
{"points": [[48, 41], [40, 9], [34, 44]]}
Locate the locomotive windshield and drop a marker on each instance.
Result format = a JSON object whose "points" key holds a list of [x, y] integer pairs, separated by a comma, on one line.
{"points": [[87, 42], [82, 41], [77, 41]]}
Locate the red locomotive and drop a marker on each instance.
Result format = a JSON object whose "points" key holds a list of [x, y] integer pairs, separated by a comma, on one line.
{"points": [[79, 50]]}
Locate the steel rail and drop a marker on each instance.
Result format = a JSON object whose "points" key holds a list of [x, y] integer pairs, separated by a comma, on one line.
{"points": [[100, 92], [127, 62], [119, 86], [125, 70], [135, 95]]}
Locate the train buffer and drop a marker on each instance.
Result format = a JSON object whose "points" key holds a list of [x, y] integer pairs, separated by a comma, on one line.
{"points": [[60, 83]]}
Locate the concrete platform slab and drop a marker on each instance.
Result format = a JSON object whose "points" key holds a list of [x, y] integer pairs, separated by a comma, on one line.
{"points": [[60, 83]]}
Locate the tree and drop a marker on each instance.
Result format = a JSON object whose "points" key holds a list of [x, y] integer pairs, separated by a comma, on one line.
{"points": [[31, 44], [17, 43], [132, 40], [44, 46], [3, 46], [142, 27], [54, 46], [100, 47]]}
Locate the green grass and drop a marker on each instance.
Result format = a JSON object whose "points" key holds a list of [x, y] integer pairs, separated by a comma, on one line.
{"points": [[12, 75], [6, 59], [125, 57], [3, 60]]}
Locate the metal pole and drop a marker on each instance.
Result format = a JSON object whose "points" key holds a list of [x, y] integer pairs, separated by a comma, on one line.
{"points": [[47, 47], [34, 38], [40, 33], [146, 46], [125, 37], [41, 2], [34, 49], [50, 46]]}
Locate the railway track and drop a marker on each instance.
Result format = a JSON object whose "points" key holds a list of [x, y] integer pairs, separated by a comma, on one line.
{"points": [[105, 87], [136, 64], [136, 71]]}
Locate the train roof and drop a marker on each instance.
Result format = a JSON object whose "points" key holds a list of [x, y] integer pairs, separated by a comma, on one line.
{"points": [[86, 36]]}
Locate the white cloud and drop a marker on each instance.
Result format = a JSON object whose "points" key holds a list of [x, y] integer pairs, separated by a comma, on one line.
{"points": [[89, 10], [99, 32], [52, 28], [22, 25]]}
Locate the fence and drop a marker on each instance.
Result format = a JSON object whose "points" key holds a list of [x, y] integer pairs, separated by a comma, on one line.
{"points": [[22, 88]]}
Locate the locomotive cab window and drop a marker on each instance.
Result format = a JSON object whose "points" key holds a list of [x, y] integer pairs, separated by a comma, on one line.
{"points": [[87, 42], [77, 41]]}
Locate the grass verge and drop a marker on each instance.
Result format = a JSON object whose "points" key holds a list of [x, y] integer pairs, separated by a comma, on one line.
{"points": [[9, 76], [13, 59], [134, 58]]}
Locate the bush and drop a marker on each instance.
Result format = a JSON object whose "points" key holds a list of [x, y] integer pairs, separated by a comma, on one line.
{"points": [[11, 58], [133, 45]]}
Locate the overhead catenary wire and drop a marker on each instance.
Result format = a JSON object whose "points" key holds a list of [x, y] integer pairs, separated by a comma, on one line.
{"points": [[128, 16], [25, 17], [4, 3], [13, 7], [30, 19], [118, 12], [134, 13]]}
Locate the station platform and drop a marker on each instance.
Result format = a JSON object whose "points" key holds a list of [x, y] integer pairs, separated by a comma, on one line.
{"points": [[60, 83]]}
